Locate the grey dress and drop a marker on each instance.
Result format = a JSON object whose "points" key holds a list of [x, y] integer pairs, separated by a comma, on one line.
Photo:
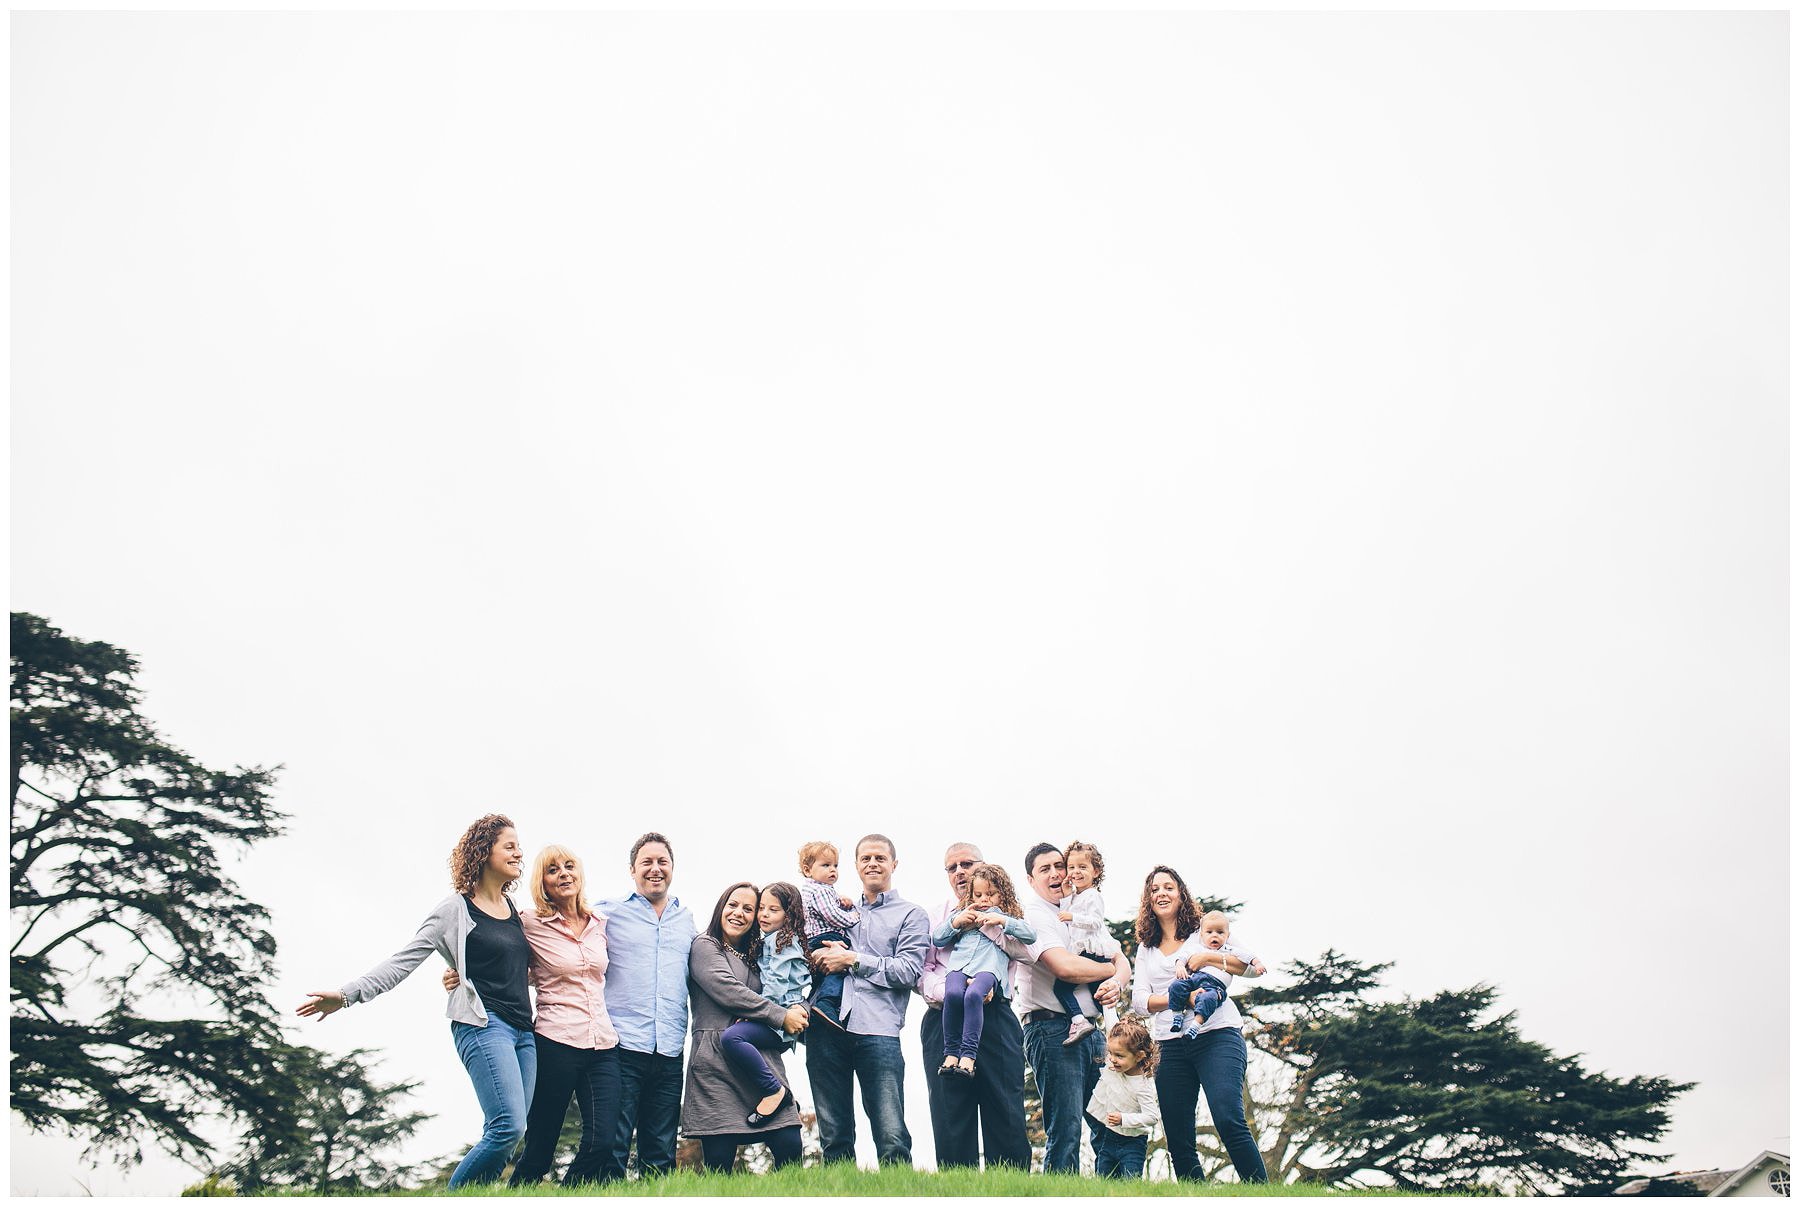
{"points": [[722, 988]]}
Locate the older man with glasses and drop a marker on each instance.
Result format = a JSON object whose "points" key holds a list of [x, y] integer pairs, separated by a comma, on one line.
{"points": [[986, 1113]]}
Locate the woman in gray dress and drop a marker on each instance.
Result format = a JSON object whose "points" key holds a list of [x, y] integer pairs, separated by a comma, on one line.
{"points": [[724, 985]]}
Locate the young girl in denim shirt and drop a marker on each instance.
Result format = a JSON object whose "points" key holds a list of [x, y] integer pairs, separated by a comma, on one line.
{"points": [[786, 980], [977, 962]]}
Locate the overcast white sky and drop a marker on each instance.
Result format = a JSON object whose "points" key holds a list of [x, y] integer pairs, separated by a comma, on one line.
{"points": [[1343, 455]]}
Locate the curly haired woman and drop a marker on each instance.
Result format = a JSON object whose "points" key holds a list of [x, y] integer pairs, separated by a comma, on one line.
{"points": [[1212, 1062], [478, 931]]}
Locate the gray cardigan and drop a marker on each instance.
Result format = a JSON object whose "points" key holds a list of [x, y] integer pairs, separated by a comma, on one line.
{"points": [[446, 932], [723, 987]]}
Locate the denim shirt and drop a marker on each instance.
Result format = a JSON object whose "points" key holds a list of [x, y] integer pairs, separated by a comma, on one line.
{"points": [[786, 976], [977, 950], [646, 978], [890, 944]]}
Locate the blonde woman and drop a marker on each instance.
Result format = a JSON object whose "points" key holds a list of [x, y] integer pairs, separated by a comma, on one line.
{"points": [[577, 1048], [477, 930]]}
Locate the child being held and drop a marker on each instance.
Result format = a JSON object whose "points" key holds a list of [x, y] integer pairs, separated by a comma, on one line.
{"points": [[1204, 991], [1085, 912], [785, 980], [828, 917], [1125, 1101], [976, 961]]}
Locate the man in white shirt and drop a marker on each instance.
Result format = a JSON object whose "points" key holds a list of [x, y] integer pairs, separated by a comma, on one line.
{"points": [[986, 1113], [1066, 1072]]}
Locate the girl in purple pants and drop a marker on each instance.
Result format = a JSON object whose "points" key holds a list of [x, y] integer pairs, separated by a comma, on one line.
{"points": [[977, 962]]}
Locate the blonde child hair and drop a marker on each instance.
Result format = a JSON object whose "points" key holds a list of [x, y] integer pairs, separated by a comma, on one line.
{"points": [[811, 852]]}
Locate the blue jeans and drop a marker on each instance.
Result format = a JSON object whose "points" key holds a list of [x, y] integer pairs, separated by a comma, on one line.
{"points": [[833, 1058], [502, 1062], [1213, 1063], [1202, 992], [1066, 1076], [1065, 990], [650, 1105], [828, 987], [1117, 1156]]}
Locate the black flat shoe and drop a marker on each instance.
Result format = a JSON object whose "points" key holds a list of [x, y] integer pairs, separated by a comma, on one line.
{"points": [[757, 1118]]}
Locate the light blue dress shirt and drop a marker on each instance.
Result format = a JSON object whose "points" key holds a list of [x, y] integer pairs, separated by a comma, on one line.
{"points": [[890, 942], [646, 973]]}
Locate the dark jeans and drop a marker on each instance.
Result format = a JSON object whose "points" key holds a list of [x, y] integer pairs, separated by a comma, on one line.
{"points": [[649, 1104], [995, 1096], [719, 1153], [1066, 1077], [833, 1059], [1202, 992], [1214, 1063], [592, 1076], [964, 1013], [828, 987], [740, 1041], [1117, 1156], [1065, 990]]}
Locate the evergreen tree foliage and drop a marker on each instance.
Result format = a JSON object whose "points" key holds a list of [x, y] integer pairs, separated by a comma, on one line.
{"points": [[1436, 1093], [118, 895], [341, 1135]]}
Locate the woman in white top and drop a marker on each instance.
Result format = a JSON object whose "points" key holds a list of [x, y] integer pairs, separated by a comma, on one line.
{"points": [[1213, 1062]]}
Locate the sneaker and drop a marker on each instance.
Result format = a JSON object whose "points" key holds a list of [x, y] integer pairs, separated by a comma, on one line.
{"points": [[1192, 1030], [826, 1011], [1177, 1020], [1077, 1029]]}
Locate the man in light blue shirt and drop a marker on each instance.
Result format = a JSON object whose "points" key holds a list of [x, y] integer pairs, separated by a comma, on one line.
{"points": [[882, 965], [648, 934]]}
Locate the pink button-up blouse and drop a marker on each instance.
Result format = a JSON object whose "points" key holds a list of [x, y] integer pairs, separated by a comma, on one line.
{"points": [[569, 973]]}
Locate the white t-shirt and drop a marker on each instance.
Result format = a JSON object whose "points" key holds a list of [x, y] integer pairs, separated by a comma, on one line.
{"points": [[1034, 984]]}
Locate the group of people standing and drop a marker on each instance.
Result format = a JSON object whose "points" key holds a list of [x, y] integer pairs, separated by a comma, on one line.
{"points": [[621, 984]]}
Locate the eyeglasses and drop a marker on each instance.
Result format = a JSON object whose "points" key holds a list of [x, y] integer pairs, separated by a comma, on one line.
{"points": [[961, 865]]}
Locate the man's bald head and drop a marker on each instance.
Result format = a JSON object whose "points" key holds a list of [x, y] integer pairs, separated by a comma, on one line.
{"points": [[959, 859]]}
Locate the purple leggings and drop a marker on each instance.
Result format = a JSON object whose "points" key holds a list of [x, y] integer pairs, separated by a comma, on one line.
{"points": [[964, 1011], [740, 1042]]}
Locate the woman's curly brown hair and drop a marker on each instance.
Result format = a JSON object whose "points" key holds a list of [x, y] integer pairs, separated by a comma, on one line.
{"points": [[1000, 882], [1093, 854], [472, 851], [1187, 914], [1131, 1031]]}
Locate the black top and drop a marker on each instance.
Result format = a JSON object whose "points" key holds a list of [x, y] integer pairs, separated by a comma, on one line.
{"points": [[499, 962]]}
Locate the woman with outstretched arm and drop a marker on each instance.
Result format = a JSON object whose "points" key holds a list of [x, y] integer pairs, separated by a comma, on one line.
{"points": [[478, 931]]}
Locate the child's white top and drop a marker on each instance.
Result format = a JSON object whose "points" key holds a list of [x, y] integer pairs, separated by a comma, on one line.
{"points": [[1228, 948], [1087, 924], [1133, 1097]]}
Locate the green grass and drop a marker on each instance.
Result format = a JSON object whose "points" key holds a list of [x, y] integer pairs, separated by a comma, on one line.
{"points": [[844, 1180]]}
